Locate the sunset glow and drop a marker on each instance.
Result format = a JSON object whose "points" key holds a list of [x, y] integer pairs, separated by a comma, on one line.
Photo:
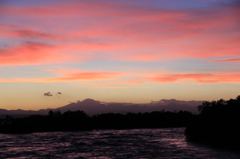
{"points": [[121, 51]]}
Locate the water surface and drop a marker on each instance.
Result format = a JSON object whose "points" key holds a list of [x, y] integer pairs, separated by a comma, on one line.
{"points": [[162, 143]]}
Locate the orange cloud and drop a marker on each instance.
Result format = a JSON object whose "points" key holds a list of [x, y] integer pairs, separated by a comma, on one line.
{"points": [[129, 82], [200, 78], [73, 75], [85, 76], [68, 77], [135, 82]]}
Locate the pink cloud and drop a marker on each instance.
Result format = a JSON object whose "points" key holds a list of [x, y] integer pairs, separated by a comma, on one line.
{"points": [[228, 60], [31, 53], [126, 32], [199, 78]]}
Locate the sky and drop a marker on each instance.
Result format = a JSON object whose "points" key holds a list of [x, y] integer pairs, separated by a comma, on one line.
{"points": [[54, 52]]}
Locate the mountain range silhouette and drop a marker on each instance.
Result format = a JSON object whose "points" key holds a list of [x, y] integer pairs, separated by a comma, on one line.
{"points": [[91, 107]]}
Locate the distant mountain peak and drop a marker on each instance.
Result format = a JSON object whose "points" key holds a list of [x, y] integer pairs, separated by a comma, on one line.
{"points": [[89, 101]]}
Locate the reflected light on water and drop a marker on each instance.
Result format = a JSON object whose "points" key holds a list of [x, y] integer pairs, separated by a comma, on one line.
{"points": [[135, 143]]}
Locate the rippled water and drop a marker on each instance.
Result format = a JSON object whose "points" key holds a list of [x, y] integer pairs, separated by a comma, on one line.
{"points": [[135, 143]]}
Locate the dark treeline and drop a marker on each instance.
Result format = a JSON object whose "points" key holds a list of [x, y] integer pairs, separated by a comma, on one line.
{"points": [[217, 124], [79, 120]]}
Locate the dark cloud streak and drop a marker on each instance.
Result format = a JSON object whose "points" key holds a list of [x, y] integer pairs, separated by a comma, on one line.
{"points": [[227, 60], [34, 34], [48, 94]]}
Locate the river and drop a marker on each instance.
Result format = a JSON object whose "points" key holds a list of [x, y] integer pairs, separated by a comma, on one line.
{"points": [[163, 143]]}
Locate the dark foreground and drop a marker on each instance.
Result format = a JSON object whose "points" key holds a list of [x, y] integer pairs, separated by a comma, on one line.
{"points": [[80, 121], [217, 124], [164, 143]]}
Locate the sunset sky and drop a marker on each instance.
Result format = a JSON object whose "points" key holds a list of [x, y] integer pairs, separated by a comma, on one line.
{"points": [[117, 51]]}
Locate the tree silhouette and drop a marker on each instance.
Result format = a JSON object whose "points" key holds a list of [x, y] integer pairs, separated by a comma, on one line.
{"points": [[79, 120], [217, 123]]}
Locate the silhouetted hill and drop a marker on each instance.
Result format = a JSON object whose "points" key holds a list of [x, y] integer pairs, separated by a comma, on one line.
{"points": [[21, 113], [87, 105], [92, 107]]}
